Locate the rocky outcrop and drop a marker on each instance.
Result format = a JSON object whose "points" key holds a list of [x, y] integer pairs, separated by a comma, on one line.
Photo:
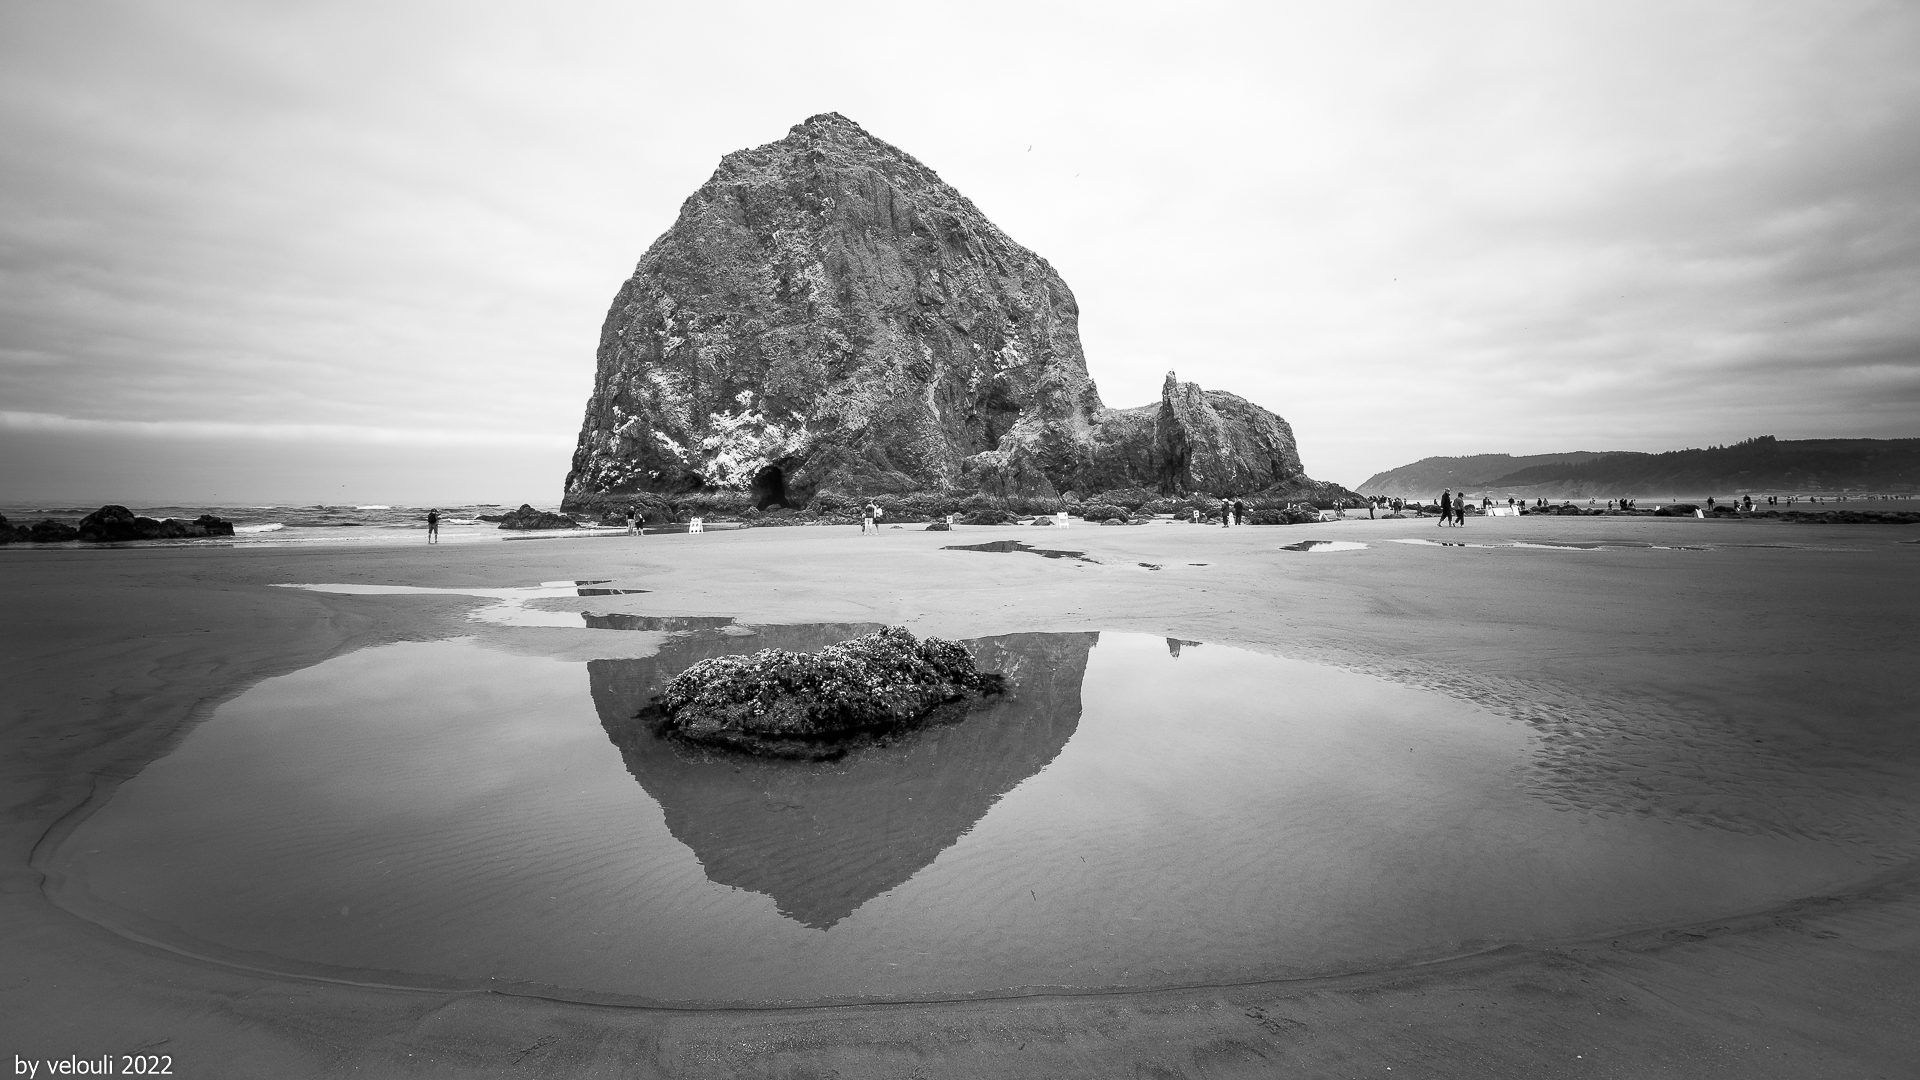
{"points": [[1200, 441], [528, 518], [827, 314], [816, 705], [112, 523]]}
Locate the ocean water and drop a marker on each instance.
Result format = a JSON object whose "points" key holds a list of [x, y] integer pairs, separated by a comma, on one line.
{"points": [[382, 524]]}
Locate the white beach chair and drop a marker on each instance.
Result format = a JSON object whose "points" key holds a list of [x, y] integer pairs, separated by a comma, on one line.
{"points": [[696, 525]]}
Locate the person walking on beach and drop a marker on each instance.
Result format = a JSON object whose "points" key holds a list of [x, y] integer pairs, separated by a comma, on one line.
{"points": [[1460, 511], [1446, 507], [866, 519], [1226, 514], [433, 525], [1239, 512]]}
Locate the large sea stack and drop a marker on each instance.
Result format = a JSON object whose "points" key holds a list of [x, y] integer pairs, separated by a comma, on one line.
{"points": [[827, 315]]}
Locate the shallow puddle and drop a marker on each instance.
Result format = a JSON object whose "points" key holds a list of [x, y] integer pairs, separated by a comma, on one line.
{"points": [[1436, 543], [1015, 545], [1325, 545], [1139, 811], [510, 603]]}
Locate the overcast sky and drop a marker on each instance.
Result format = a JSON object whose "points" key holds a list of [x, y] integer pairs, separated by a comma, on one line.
{"points": [[360, 252]]}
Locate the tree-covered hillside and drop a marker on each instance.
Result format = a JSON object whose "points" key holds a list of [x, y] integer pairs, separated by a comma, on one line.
{"points": [[1758, 465]]}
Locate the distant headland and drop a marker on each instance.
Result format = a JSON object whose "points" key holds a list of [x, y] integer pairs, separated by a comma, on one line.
{"points": [[1758, 465]]}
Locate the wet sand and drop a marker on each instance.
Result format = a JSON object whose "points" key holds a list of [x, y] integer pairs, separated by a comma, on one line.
{"points": [[1756, 689]]}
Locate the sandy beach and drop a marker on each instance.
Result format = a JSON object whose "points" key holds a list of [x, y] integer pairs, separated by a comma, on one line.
{"points": [[1746, 682]]}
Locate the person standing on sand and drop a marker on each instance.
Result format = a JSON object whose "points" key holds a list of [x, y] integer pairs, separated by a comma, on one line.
{"points": [[1446, 507], [433, 525], [1226, 514], [1460, 512], [866, 519], [1239, 512], [631, 529]]}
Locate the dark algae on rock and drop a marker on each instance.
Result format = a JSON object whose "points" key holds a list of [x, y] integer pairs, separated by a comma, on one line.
{"points": [[828, 315], [816, 705]]}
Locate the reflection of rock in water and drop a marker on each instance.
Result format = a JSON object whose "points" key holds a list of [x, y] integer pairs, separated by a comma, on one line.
{"points": [[1174, 645], [822, 838]]}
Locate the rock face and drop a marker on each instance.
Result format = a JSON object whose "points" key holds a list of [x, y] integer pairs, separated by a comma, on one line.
{"points": [[827, 314]]}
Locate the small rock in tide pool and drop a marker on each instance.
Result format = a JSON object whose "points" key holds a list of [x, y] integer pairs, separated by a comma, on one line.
{"points": [[819, 705]]}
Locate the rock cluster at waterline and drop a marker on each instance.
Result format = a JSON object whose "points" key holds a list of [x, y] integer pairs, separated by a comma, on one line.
{"points": [[528, 518], [815, 705], [828, 315], [113, 524]]}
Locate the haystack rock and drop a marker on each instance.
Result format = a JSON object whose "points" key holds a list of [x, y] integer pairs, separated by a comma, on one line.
{"points": [[827, 314]]}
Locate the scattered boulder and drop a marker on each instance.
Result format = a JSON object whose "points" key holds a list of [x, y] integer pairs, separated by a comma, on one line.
{"points": [[1286, 515], [528, 518], [990, 517], [113, 523], [49, 532], [818, 705], [939, 526]]}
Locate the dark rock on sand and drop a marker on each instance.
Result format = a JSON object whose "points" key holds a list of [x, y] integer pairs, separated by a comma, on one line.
{"points": [[113, 523], [939, 526], [1851, 517], [49, 532], [528, 518], [827, 314], [778, 703]]}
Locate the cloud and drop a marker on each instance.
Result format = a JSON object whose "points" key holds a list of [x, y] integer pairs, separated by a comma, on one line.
{"points": [[307, 433], [1410, 228]]}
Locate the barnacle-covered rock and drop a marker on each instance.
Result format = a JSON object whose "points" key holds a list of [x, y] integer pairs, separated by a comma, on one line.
{"points": [[814, 705]]}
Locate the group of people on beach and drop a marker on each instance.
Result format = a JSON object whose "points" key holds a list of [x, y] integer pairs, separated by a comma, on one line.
{"points": [[1453, 511]]}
